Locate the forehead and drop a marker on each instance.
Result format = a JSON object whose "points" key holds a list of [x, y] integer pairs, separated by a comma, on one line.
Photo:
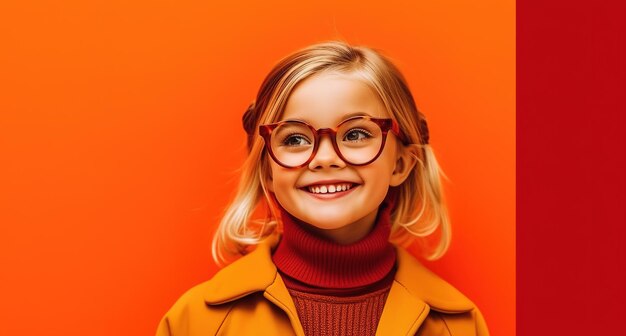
{"points": [[326, 99]]}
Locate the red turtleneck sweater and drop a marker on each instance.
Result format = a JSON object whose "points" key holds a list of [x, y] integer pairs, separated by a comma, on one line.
{"points": [[337, 289]]}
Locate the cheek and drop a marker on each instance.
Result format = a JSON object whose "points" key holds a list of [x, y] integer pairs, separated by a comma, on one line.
{"points": [[386, 164], [378, 174], [283, 180], [389, 156]]}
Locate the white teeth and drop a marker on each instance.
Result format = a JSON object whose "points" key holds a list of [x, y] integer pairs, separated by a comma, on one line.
{"points": [[325, 189]]}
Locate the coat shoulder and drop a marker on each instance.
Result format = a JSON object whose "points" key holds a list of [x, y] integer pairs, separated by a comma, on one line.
{"points": [[202, 309], [191, 315]]}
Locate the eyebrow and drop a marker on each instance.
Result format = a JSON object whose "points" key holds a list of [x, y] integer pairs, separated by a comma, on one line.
{"points": [[354, 114], [345, 117]]}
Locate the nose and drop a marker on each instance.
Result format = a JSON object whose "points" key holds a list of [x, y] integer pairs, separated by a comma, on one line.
{"points": [[326, 156]]}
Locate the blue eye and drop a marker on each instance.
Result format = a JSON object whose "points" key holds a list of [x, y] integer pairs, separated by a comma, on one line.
{"points": [[357, 134], [295, 140]]}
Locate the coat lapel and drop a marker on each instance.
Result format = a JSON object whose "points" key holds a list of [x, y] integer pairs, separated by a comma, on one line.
{"points": [[252, 273], [414, 293], [425, 285], [403, 312], [278, 294]]}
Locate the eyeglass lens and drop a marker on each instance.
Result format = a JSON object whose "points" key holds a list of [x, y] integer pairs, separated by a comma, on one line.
{"points": [[358, 140]]}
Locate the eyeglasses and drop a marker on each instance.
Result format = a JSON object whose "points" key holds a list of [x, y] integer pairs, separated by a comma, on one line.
{"points": [[357, 141]]}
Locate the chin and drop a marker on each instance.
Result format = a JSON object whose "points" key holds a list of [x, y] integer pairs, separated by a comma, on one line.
{"points": [[327, 225], [328, 221]]}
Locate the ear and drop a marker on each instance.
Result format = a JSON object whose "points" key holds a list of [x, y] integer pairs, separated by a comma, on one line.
{"points": [[406, 160]]}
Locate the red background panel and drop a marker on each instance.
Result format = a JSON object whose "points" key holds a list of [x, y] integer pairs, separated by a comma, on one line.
{"points": [[571, 152], [115, 167]]}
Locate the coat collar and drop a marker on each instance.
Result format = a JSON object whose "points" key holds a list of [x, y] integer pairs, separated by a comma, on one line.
{"points": [[256, 272]]}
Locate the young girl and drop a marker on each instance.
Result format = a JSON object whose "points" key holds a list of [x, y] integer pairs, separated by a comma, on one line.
{"points": [[339, 154]]}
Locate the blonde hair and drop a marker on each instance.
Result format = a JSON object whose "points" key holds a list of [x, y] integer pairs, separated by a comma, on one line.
{"points": [[420, 209]]}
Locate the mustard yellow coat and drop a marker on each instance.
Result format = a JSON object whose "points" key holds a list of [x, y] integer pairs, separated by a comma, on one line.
{"points": [[249, 297]]}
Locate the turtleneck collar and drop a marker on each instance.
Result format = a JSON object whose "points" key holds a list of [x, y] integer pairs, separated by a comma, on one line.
{"points": [[317, 261]]}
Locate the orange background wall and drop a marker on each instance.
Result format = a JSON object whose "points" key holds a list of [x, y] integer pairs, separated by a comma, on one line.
{"points": [[120, 139]]}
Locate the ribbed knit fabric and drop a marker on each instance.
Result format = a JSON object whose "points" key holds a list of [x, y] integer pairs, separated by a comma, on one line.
{"points": [[317, 261], [337, 289], [339, 316]]}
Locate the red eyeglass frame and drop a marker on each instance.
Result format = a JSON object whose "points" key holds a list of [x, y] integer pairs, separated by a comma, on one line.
{"points": [[385, 124]]}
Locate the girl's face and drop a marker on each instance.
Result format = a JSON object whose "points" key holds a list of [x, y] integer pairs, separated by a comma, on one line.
{"points": [[325, 100]]}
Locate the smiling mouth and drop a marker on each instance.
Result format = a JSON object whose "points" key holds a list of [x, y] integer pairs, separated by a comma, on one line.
{"points": [[329, 188]]}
